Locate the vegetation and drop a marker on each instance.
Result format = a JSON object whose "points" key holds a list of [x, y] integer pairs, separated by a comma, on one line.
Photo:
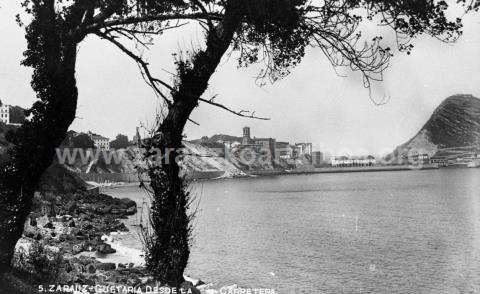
{"points": [[276, 33], [53, 33], [120, 142], [82, 141], [17, 115]]}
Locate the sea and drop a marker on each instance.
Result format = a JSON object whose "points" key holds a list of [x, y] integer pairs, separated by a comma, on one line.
{"points": [[368, 232]]}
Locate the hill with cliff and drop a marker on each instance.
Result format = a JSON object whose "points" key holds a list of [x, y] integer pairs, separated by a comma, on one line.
{"points": [[454, 126]]}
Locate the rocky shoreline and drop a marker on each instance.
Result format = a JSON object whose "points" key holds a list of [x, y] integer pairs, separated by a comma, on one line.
{"points": [[63, 227]]}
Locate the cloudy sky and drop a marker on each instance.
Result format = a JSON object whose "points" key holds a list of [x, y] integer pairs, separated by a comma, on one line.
{"points": [[312, 104]]}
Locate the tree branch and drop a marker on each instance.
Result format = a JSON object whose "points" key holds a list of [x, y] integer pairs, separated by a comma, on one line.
{"points": [[241, 113], [142, 64], [151, 18]]}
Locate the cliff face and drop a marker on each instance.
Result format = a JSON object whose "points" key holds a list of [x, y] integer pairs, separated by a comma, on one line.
{"points": [[454, 124], [197, 158], [202, 158]]}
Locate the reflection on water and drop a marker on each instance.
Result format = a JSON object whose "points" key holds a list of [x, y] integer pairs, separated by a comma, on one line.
{"points": [[380, 232]]}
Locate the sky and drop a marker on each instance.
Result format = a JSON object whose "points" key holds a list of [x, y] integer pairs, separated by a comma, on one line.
{"points": [[312, 104]]}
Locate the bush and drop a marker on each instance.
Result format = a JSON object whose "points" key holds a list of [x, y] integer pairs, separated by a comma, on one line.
{"points": [[120, 142], [39, 263]]}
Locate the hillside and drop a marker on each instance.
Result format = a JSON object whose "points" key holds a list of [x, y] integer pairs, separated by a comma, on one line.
{"points": [[218, 138], [202, 158], [455, 124], [197, 158]]}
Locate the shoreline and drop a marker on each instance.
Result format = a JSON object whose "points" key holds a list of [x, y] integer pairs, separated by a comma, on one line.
{"points": [[335, 170], [69, 238], [260, 173]]}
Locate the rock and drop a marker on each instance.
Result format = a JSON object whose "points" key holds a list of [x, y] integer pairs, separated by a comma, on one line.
{"points": [[133, 281], [77, 248], [101, 279], [90, 268], [85, 217], [113, 277], [126, 202], [77, 267], [94, 191], [105, 249], [195, 282], [107, 209], [68, 267], [121, 227], [31, 232], [49, 225], [118, 210], [42, 221], [107, 266], [87, 226], [188, 287], [85, 260], [71, 206], [131, 210]]}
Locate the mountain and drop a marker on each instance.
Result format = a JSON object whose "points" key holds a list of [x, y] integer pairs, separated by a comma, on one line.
{"points": [[454, 125]]}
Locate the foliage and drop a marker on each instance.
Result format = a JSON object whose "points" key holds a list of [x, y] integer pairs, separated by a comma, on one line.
{"points": [[17, 115], [82, 141], [120, 142], [167, 242], [42, 264], [276, 33]]}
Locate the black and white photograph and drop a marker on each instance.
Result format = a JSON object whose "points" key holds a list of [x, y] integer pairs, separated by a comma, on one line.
{"points": [[240, 146]]}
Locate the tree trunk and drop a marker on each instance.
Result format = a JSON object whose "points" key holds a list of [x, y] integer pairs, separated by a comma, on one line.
{"points": [[168, 247], [34, 146]]}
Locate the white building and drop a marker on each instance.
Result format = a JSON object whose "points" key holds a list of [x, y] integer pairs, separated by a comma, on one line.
{"points": [[302, 149], [99, 141], [345, 161], [4, 113], [284, 150]]}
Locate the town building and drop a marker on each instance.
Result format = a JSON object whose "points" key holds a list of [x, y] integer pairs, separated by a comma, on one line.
{"points": [[246, 136], [259, 145], [137, 140], [4, 113], [417, 158], [303, 149], [318, 158], [7, 115], [100, 142], [440, 160], [283, 150], [344, 161]]}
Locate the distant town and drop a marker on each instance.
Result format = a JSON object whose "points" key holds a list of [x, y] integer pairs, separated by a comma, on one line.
{"points": [[300, 155], [293, 154], [284, 154]]}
